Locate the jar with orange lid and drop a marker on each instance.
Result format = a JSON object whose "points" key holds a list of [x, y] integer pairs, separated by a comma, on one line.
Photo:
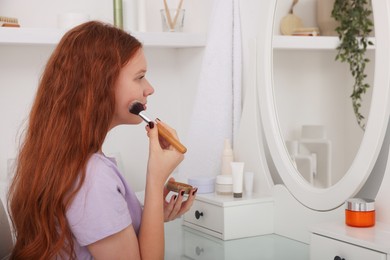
{"points": [[360, 212]]}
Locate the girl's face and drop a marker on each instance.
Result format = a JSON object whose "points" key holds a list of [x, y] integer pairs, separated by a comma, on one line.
{"points": [[131, 85]]}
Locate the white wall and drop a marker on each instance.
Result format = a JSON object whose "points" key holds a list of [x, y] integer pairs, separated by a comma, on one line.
{"points": [[19, 74]]}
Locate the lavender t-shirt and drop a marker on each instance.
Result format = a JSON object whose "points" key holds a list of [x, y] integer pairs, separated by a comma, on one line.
{"points": [[104, 205]]}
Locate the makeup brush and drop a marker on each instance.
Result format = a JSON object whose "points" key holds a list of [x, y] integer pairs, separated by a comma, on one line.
{"points": [[137, 108], [177, 14], [168, 14]]}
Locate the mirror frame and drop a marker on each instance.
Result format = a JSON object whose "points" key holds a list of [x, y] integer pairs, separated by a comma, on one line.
{"points": [[324, 199]]}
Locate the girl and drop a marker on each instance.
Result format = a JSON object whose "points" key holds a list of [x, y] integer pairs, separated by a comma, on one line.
{"points": [[67, 199]]}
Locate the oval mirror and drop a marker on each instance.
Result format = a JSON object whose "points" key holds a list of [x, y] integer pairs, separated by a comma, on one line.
{"points": [[316, 117], [319, 151]]}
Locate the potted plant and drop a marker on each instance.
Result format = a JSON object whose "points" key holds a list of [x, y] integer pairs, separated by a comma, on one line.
{"points": [[355, 25]]}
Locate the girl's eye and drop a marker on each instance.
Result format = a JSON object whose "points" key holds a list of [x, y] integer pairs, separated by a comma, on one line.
{"points": [[141, 77]]}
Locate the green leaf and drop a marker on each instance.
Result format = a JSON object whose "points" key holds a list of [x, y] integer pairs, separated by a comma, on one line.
{"points": [[354, 27]]}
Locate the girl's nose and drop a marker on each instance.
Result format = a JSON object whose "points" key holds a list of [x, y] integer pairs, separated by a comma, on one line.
{"points": [[149, 90]]}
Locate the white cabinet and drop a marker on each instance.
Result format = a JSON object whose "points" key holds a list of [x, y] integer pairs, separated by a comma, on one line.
{"points": [[206, 215], [325, 248], [228, 218], [333, 240]]}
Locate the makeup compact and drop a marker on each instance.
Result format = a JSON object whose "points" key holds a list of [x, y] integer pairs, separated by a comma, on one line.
{"points": [[360, 212], [178, 186]]}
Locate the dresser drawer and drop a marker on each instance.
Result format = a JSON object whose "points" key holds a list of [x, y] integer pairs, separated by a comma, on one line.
{"points": [[325, 248], [229, 218], [206, 215], [201, 247]]}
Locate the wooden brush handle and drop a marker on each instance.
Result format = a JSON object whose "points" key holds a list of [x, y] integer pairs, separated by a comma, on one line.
{"points": [[177, 14], [171, 139], [168, 14]]}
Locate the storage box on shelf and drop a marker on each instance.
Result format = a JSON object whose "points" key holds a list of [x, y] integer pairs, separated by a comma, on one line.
{"points": [[228, 218]]}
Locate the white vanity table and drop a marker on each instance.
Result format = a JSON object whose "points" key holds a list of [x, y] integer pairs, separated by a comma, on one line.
{"points": [[182, 242]]}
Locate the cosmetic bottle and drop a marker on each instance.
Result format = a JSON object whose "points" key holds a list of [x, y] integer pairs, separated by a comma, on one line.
{"points": [[248, 183], [238, 176], [360, 212], [227, 158], [118, 14]]}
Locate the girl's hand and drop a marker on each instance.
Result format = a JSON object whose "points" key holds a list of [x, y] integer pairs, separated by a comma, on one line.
{"points": [[177, 206], [163, 158]]}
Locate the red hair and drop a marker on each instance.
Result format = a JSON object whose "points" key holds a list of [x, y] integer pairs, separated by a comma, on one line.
{"points": [[69, 121]]}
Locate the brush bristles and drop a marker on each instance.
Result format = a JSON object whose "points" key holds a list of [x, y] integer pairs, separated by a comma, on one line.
{"points": [[8, 19], [136, 108]]}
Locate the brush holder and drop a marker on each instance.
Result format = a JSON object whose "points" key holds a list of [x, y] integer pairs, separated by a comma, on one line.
{"points": [[172, 20]]}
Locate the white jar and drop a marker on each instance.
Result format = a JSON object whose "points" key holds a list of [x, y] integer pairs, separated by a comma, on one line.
{"points": [[224, 185], [204, 184]]}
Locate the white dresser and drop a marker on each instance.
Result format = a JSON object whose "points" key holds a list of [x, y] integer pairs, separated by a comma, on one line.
{"points": [[228, 218], [338, 241]]}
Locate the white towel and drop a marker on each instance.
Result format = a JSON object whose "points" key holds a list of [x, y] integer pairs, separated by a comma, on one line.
{"points": [[237, 69], [217, 107]]}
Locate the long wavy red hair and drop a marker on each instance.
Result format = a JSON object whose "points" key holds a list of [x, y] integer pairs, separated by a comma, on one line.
{"points": [[69, 121]]}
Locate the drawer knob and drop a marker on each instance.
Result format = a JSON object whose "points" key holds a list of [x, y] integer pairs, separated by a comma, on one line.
{"points": [[338, 258], [198, 214], [199, 250]]}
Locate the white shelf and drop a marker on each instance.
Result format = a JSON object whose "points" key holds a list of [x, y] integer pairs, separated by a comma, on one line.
{"points": [[51, 36], [308, 42]]}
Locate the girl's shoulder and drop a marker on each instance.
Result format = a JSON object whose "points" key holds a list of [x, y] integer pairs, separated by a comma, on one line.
{"points": [[102, 169]]}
